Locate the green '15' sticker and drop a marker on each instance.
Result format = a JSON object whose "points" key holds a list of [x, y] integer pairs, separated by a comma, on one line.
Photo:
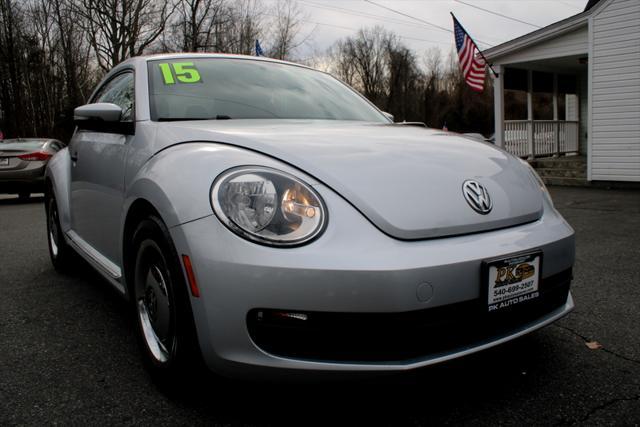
{"points": [[185, 72]]}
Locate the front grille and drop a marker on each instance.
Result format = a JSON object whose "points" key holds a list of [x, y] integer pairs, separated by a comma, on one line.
{"points": [[397, 337]]}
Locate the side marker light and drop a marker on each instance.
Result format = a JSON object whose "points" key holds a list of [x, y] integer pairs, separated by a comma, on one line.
{"points": [[193, 285]]}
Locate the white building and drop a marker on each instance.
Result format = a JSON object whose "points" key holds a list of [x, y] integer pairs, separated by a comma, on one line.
{"points": [[589, 62]]}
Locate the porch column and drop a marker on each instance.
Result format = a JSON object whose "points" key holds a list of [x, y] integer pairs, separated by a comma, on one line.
{"points": [[556, 124], [530, 135], [498, 105]]}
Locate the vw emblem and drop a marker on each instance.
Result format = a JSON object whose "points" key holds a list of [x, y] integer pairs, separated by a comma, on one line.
{"points": [[477, 196]]}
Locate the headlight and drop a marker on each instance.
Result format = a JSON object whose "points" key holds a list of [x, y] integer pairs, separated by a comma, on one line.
{"points": [[537, 180], [268, 206]]}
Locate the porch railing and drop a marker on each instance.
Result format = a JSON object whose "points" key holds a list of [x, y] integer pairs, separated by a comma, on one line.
{"points": [[540, 138]]}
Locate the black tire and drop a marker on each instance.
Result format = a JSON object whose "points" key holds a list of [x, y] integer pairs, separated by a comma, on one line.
{"points": [[24, 196], [162, 309], [62, 255]]}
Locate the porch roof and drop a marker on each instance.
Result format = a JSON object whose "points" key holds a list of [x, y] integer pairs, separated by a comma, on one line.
{"points": [[550, 31]]}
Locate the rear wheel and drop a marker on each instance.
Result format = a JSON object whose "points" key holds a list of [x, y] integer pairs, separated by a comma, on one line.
{"points": [[62, 255], [161, 305]]}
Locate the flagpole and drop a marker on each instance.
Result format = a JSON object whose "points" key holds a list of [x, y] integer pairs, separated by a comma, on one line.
{"points": [[474, 42]]}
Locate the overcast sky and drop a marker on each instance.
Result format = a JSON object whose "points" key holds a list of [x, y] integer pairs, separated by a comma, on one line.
{"points": [[330, 20]]}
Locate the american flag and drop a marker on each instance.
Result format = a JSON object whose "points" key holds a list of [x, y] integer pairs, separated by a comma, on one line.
{"points": [[472, 66]]}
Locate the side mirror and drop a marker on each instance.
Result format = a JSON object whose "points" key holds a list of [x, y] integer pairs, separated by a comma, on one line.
{"points": [[102, 117], [388, 115], [102, 111]]}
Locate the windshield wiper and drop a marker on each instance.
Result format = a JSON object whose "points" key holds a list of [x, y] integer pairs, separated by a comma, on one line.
{"points": [[419, 124], [180, 119], [183, 119]]}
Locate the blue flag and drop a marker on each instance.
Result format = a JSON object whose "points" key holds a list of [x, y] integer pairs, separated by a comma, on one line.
{"points": [[259, 51]]}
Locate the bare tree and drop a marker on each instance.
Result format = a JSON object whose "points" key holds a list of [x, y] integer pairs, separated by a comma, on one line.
{"points": [[11, 52], [52, 52], [433, 85], [285, 28], [75, 52], [368, 51], [244, 27], [43, 37], [404, 82], [44, 67], [375, 62], [341, 64], [119, 29], [361, 61], [433, 67], [196, 23], [73, 55]]}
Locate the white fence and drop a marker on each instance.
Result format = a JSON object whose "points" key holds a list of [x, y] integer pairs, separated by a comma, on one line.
{"points": [[540, 138]]}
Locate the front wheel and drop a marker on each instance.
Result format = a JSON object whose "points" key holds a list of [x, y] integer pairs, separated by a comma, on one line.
{"points": [[61, 254], [161, 305]]}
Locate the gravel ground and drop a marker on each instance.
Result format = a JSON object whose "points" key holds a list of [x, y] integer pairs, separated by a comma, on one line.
{"points": [[68, 354]]}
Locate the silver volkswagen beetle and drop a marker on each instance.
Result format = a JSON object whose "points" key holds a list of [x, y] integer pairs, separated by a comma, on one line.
{"points": [[264, 218]]}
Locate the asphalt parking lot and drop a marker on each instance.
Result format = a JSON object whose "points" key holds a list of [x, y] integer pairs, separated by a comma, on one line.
{"points": [[68, 353]]}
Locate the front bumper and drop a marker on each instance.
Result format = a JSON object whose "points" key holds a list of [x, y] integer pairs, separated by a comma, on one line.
{"points": [[353, 269], [399, 337]]}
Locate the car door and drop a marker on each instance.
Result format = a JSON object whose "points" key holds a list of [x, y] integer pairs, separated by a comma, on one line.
{"points": [[97, 176]]}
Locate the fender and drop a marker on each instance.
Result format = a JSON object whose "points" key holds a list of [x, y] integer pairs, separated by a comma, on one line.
{"points": [[177, 180], [58, 172]]}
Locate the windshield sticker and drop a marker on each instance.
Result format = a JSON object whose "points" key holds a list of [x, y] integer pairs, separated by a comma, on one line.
{"points": [[184, 72]]}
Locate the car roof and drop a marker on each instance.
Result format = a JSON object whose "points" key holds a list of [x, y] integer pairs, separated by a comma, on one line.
{"points": [[170, 56]]}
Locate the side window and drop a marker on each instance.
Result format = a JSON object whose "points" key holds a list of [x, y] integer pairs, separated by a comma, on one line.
{"points": [[119, 91]]}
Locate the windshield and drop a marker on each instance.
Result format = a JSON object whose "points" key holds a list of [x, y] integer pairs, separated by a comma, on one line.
{"points": [[229, 88]]}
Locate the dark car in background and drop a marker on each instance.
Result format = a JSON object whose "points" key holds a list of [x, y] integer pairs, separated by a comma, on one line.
{"points": [[22, 164]]}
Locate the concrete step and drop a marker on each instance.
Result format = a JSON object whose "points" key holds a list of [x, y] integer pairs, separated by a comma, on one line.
{"points": [[567, 182], [562, 173], [560, 162]]}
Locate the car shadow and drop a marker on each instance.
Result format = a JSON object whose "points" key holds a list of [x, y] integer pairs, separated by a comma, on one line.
{"points": [[438, 394], [8, 200]]}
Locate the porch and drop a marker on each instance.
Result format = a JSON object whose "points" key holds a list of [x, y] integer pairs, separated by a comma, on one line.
{"points": [[541, 107], [541, 138], [589, 61]]}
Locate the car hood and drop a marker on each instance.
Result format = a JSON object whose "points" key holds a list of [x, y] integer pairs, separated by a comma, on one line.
{"points": [[406, 180]]}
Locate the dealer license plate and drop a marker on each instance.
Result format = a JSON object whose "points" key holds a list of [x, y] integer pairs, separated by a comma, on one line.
{"points": [[4, 161], [513, 280]]}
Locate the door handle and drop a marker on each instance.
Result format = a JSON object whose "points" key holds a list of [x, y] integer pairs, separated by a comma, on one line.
{"points": [[74, 157]]}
